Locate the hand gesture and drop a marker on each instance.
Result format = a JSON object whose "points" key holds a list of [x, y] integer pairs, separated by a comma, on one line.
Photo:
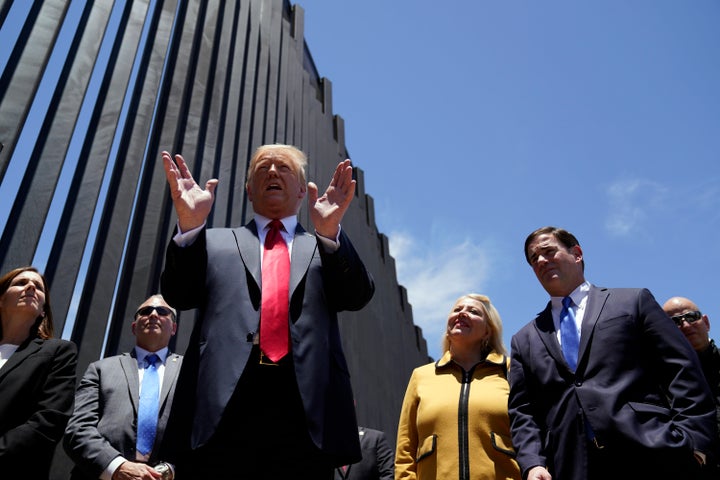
{"points": [[192, 203], [327, 212]]}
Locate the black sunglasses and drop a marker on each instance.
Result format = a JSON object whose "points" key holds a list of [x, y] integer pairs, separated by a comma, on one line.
{"points": [[146, 311], [690, 317]]}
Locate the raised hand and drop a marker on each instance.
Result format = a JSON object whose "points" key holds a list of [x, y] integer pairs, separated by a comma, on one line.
{"points": [[326, 212], [192, 203]]}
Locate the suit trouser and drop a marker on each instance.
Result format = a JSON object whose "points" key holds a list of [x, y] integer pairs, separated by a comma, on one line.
{"points": [[263, 433]]}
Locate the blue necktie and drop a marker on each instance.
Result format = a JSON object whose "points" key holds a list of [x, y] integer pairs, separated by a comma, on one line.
{"points": [[148, 410], [570, 341]]}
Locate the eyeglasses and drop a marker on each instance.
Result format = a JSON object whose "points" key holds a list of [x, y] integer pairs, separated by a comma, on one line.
{"points": [[690, 317], [146, 311]]}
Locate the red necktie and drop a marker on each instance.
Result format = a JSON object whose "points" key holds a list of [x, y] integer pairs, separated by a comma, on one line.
{"points": [[274, 334]]}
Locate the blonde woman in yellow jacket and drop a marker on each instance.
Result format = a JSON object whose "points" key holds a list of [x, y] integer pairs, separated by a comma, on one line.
{"points": [[454, 421]]}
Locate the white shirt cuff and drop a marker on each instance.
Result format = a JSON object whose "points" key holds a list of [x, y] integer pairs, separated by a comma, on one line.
{"points": [[183, 239], [112, 466]]}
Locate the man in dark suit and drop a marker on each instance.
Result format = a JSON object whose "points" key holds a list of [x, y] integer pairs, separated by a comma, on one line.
{"points": [[635, 405], [378, 459], [695, 326], [245, 412], [102, 432]]}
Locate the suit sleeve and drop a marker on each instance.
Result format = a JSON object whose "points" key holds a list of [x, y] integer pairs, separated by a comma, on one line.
{"points": [[182, 281], [84, 444], [526, 433], [407, 439], [52, 405], [348, 283], [385, 458]]}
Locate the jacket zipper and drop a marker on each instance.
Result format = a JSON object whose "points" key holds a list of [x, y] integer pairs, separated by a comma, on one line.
{"points": [[463, 450]]}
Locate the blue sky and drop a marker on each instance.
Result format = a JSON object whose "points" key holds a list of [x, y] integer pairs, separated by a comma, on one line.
{"points": [[478, 121]]}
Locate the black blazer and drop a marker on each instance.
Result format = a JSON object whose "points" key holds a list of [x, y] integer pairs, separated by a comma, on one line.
{"points": [[37, 384], [638, 383], [104, 422], [378, 459], [220, 274]]}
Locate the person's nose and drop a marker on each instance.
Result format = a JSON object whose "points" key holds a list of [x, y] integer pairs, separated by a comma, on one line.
{"points": [[540, 260], [273, 170]]}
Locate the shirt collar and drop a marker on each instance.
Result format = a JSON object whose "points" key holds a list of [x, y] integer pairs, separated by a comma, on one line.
{"points": [[492, 357], [141, 353], [288, 222], [578, 296]]}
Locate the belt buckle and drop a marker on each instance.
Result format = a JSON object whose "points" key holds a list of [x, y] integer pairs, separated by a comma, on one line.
{"points": [[264, 360]]}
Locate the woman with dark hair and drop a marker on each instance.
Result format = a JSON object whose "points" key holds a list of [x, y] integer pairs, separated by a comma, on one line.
{"points": [[37, 377]]}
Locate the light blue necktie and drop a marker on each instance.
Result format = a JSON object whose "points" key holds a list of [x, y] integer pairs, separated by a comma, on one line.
{"points": [[569, 339], [148, 410]]}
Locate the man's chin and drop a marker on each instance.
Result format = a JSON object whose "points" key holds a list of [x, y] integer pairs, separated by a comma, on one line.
{"points": [[552, 285]]}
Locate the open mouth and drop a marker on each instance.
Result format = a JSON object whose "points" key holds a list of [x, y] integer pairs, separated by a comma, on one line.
{"points": [[460, 324]]}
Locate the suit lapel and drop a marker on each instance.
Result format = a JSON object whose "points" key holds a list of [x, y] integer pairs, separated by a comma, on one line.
{"points": [[30, 347], [172, 367], [248, 244], [303, 249], [597, 297], [546, 330], [129, 365]]}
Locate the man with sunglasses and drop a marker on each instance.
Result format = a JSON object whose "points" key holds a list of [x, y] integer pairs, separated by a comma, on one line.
{"points": [[102, 434], [696, 327]]}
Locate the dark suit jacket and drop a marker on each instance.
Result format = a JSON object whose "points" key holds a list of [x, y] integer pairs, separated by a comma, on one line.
{"points": [[638, 383], [104, 422], [37, 384], [220, 273], [378, 459]]}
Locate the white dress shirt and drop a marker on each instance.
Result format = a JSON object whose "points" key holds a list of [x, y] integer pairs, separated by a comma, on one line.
{"points": [[579, 297]]}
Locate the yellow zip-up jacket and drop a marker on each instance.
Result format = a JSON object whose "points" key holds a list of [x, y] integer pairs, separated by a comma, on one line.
{"points": [[455, 425]]}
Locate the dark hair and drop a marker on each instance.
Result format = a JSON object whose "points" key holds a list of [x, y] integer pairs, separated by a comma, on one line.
{"points": [[43, 326], [566, 238]]}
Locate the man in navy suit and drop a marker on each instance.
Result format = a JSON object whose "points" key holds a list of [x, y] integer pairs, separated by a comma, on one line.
{"points": [[101, 434], [635, 406], [241, 414]]}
